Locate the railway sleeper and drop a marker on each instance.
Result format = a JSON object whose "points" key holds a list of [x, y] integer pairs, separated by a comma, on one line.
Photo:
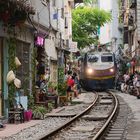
{"points": [[106, 101], [94, 118], [61, 115], [106, 97]]}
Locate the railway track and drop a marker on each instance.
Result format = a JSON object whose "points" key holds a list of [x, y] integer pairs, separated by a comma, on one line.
{"points": [[81, 120], [89, 124]]}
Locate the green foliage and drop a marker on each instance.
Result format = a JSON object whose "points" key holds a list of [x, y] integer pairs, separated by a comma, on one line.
{"points": [[30, 101], [11, 94], [12, 53], [123, 68], [50, 107], [62, 88], [33, 70], [86, 23], [52, 85], [60, 74], [39, 112], [61, 84], [12, 66]]}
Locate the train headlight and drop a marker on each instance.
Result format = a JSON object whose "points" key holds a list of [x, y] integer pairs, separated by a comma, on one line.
{"points": [[111, 70], [89, 71]]}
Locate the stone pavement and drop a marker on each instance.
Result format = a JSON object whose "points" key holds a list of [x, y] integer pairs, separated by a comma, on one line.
{"points": [[11, 129], [133, 131]]}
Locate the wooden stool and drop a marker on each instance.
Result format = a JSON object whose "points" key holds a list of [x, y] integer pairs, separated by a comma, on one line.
{"points": [[70, 96], [63, 100], [16, 116]]}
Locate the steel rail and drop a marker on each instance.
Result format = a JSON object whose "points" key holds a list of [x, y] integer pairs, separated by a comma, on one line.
{"points": [[101, 131], [71, 120]]}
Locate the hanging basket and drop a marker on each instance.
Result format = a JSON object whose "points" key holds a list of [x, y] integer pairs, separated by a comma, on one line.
{"points": [[10, 76]]}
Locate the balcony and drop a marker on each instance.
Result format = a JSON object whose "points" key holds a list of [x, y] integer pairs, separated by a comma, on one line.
{"points": [[133, 4], [15, 12]]}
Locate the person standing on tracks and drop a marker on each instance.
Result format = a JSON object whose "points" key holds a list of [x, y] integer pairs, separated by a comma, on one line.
{"points": [[70, 87], [77, 84]]}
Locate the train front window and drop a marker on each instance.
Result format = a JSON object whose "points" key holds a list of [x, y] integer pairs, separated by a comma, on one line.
{"points": [[106, 58], [92, 58]]}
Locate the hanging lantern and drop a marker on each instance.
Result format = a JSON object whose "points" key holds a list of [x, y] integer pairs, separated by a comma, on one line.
{"points": [[17, 62], [10, 76], [17, 83], [128, 64]]}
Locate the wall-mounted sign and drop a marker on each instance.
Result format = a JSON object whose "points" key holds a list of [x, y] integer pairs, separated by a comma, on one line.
{"points": [[73, 47]]}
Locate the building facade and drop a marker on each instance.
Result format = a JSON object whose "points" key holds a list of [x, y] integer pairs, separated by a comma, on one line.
{"points": [[109, 33], [16, 40], [40, 41]]}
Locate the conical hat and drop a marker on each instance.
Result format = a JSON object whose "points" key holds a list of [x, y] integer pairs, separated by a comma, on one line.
{"points": [[17, 62], [17, 83], [10, 76]]}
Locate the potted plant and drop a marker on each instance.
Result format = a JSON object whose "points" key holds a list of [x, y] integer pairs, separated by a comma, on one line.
{"points": [[50, 87], [62, 93], [62, 89], [39, 112]]}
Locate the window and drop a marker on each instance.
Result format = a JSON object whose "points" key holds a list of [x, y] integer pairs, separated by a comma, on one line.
{"points": [[92, 58], [62, 12], [106, 58]]}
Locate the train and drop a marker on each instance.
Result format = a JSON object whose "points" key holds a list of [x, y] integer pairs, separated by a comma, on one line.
{"points": [[97, 70]]}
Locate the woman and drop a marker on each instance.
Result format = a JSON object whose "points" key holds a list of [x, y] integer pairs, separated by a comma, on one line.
{"points": [[70, 85]]}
